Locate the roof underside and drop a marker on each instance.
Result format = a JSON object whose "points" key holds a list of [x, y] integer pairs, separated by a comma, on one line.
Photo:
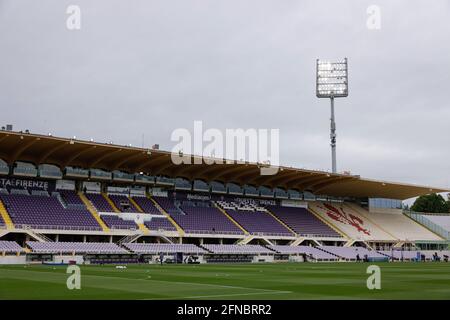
{"points": [[40, 149]]}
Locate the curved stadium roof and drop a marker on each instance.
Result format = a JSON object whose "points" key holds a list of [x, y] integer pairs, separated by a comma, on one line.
{"points": [[40, 149]]}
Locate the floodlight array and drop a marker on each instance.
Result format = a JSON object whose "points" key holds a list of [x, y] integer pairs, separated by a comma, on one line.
{"points": [[332, 79]]}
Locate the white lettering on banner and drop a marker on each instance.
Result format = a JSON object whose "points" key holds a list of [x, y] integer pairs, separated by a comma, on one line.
{"points": [[256, 201], [197, 197], [6, 182], [294, 203]]}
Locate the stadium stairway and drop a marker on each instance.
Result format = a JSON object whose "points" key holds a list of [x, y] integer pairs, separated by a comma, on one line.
{"points": [[141, 226], [111, 203], [231, 219], [38, 236], [281, 222], [93, 212], [5, 215], [162, 211]]}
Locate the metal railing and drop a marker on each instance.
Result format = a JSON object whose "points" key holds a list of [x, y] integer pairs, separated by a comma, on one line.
{"points": [[53, 227], [421, 218], [214, 232]]}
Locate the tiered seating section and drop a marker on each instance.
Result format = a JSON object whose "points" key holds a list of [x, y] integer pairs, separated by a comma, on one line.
{"points": [[10, 247], [157, 248], [199, 219], [236, 249], [350, 222], [146, 205], [65, 210], [255, 219], [215, 251], [99, 202], [259, 223], [46, 212], [115, 222], [76, 247], [396, 224], [122, 203], [303, 222], [156, 223]]}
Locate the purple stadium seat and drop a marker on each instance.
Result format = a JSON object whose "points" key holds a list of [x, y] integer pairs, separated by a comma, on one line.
{"points": [[10, 247], [77, 247], [46, 212], [302, 221], [258, 222]]}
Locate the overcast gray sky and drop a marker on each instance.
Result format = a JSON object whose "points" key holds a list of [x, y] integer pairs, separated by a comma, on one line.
{"points": [[149, 67]]}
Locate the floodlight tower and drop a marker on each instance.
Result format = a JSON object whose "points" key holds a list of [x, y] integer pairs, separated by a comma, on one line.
{"points": [[332, 82]]}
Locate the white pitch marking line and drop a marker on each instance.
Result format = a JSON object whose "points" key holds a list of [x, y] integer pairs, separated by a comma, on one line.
{"points": [[237, 294], [223, 295]]}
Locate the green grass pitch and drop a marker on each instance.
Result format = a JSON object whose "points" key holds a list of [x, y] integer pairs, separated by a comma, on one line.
{"points": [[238, 281]]}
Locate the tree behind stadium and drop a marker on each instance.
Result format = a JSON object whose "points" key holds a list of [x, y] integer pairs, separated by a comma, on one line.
{"points": [[431, 203]]}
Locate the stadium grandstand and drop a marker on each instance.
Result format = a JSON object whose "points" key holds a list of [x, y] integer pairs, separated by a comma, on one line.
{"points": [[65, 200]]}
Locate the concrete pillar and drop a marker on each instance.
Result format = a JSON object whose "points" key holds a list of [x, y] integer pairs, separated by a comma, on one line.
{"points": [[57, 238], [84, 238]]}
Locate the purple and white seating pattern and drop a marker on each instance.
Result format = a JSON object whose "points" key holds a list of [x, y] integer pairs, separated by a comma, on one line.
{"points": [[310, 251], [156, 248], [77, 247], [237, 249], [302, 221], [10, 247], [46, 212], [257, 222], [199, 219], [157, 223], [350, 253]]}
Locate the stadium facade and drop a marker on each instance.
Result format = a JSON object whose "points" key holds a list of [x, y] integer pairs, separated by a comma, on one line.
{"points": [[65, 200]]}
